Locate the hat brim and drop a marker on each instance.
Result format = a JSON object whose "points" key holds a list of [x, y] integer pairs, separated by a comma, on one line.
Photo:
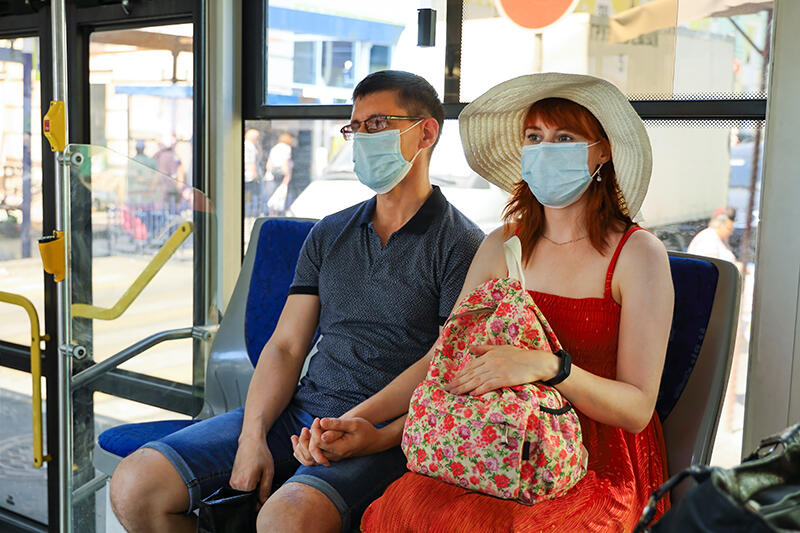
{"points": [[492, 129]]}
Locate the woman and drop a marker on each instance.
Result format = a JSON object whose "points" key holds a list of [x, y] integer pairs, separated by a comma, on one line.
{"points": [[577, 160]]}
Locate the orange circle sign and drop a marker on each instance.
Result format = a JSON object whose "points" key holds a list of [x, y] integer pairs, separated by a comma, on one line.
{"points": [[535, 14]]}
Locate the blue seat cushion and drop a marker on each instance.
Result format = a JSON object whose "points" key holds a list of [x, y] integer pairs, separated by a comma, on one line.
{"points": [[695, 283], [279, 243], [127, 438]]}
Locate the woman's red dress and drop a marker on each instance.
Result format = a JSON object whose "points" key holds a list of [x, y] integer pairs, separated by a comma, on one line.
{"points": [[623, 468]]}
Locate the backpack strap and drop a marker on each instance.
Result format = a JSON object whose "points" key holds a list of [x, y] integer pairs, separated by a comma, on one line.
{"points": [[512, 249]]}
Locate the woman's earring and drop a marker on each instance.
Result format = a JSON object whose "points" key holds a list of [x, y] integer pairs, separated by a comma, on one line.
{"points": [[597, 172]]}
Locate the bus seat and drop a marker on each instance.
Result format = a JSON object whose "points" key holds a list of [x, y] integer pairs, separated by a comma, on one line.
{"points": [[699, 356], [251, 316]]}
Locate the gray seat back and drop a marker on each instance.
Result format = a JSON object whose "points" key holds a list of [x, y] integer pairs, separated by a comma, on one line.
{"points": [[690, 427], [229, 367]]}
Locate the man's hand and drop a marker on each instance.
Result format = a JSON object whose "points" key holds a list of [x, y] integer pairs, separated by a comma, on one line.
{"points": [[502, 366], [253, 466]]}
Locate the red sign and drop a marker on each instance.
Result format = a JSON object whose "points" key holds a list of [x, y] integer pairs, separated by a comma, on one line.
{"points": [[535, 14]]}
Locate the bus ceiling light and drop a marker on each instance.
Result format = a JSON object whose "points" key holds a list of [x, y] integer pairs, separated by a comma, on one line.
{"points": [[426, 27]]}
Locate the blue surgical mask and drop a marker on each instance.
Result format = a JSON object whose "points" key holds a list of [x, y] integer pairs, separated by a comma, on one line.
{"points": [[557, 173], [379, 162]]}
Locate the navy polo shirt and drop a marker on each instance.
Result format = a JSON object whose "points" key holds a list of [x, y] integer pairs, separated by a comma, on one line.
{"points": [[380, 307]]}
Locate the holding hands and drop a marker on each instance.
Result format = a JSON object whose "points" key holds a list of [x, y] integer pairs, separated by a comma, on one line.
{"points": [[497, 366], [333, 439]]}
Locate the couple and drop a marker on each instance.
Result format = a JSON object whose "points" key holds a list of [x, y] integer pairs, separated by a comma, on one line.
{"points": [[380, 276]]}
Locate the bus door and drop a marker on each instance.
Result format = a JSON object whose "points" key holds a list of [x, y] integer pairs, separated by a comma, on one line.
{"points": [[138, 246]]}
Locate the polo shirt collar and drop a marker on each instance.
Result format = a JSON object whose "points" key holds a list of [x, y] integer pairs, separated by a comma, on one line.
{"points": [[422, 219]]}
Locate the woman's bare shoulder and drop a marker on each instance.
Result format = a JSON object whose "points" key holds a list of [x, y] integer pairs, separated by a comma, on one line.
{"points": [[646, 243], [643, 253]]}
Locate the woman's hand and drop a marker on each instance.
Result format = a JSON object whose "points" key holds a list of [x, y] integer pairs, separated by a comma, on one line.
{"points": [[499, 366], [304, 452]]}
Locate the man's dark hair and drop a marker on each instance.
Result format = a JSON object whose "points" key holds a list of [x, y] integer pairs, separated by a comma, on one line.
{"points": [[414, 93]]}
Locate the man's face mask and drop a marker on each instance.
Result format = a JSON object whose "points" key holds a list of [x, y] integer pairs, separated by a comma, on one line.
{"points": [[557, 173], [379, 162]]}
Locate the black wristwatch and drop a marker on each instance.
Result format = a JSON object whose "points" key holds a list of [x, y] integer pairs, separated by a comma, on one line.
{"points": [[563, 369]]}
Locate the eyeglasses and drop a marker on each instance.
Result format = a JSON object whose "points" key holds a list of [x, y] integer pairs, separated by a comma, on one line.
{"points": [[373, 124]]}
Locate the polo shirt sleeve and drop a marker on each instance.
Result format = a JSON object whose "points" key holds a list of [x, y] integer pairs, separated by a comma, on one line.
{"points": [[306, 273], [455, 270]]}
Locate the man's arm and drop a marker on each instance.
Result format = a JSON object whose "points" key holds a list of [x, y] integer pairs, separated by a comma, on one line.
{"points": [[392, 400], [278, 369], [354, 433], [271, 388]]}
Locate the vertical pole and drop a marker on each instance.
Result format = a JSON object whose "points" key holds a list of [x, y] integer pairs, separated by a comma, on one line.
{"points": [[27, 66], [58, 22], [747, 236], [452, 52]]}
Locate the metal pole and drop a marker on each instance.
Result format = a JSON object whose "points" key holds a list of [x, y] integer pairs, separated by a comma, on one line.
{"points": [[58, 22]]}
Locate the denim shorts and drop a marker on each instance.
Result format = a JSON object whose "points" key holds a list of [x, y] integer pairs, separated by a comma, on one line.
{"points": [[203, 455]]}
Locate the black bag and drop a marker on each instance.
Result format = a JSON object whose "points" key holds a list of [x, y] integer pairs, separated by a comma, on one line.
{"points": [[228, 511], [760, 495]]}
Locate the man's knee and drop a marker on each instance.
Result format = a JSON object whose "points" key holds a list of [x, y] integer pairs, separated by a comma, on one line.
{"points": [[145, 483], [299, 507]]}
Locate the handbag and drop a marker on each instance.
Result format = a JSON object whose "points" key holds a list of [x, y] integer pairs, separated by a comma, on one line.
{"points": [[277, 202], [760, 495], [523, 442], [228, 510]]}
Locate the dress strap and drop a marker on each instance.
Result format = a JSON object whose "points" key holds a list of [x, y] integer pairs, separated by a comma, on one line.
{"points": [[613, 262]]}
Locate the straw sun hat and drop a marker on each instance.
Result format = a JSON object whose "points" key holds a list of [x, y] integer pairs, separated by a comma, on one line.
{"points": [[492, 129]]}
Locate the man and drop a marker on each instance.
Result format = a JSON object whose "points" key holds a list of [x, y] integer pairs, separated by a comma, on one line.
{"points": [[378, 279], [713, 241], [252, 184], [167, 159], [278, 174], [141, 180]]}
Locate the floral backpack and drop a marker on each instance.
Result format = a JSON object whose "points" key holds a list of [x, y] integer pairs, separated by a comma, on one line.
{"points": [[522, 443]]}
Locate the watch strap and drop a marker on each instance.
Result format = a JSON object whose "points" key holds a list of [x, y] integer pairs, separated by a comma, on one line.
{"points": [[564, 368]]}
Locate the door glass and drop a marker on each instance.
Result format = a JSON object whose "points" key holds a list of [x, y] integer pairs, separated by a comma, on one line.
{"points": [[23, 488], [132, 200], [141, 108], [131, 268]]}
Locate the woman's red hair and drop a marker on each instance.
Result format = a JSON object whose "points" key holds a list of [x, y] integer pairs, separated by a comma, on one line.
{"points": [[605, 205]]}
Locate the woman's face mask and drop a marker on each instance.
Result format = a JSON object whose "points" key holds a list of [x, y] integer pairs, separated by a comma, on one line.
{"points": [[557, 173], [379, 162]]}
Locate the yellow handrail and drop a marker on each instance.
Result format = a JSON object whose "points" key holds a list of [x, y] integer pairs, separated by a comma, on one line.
{"points": [[149, 272], [36, 372]]}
